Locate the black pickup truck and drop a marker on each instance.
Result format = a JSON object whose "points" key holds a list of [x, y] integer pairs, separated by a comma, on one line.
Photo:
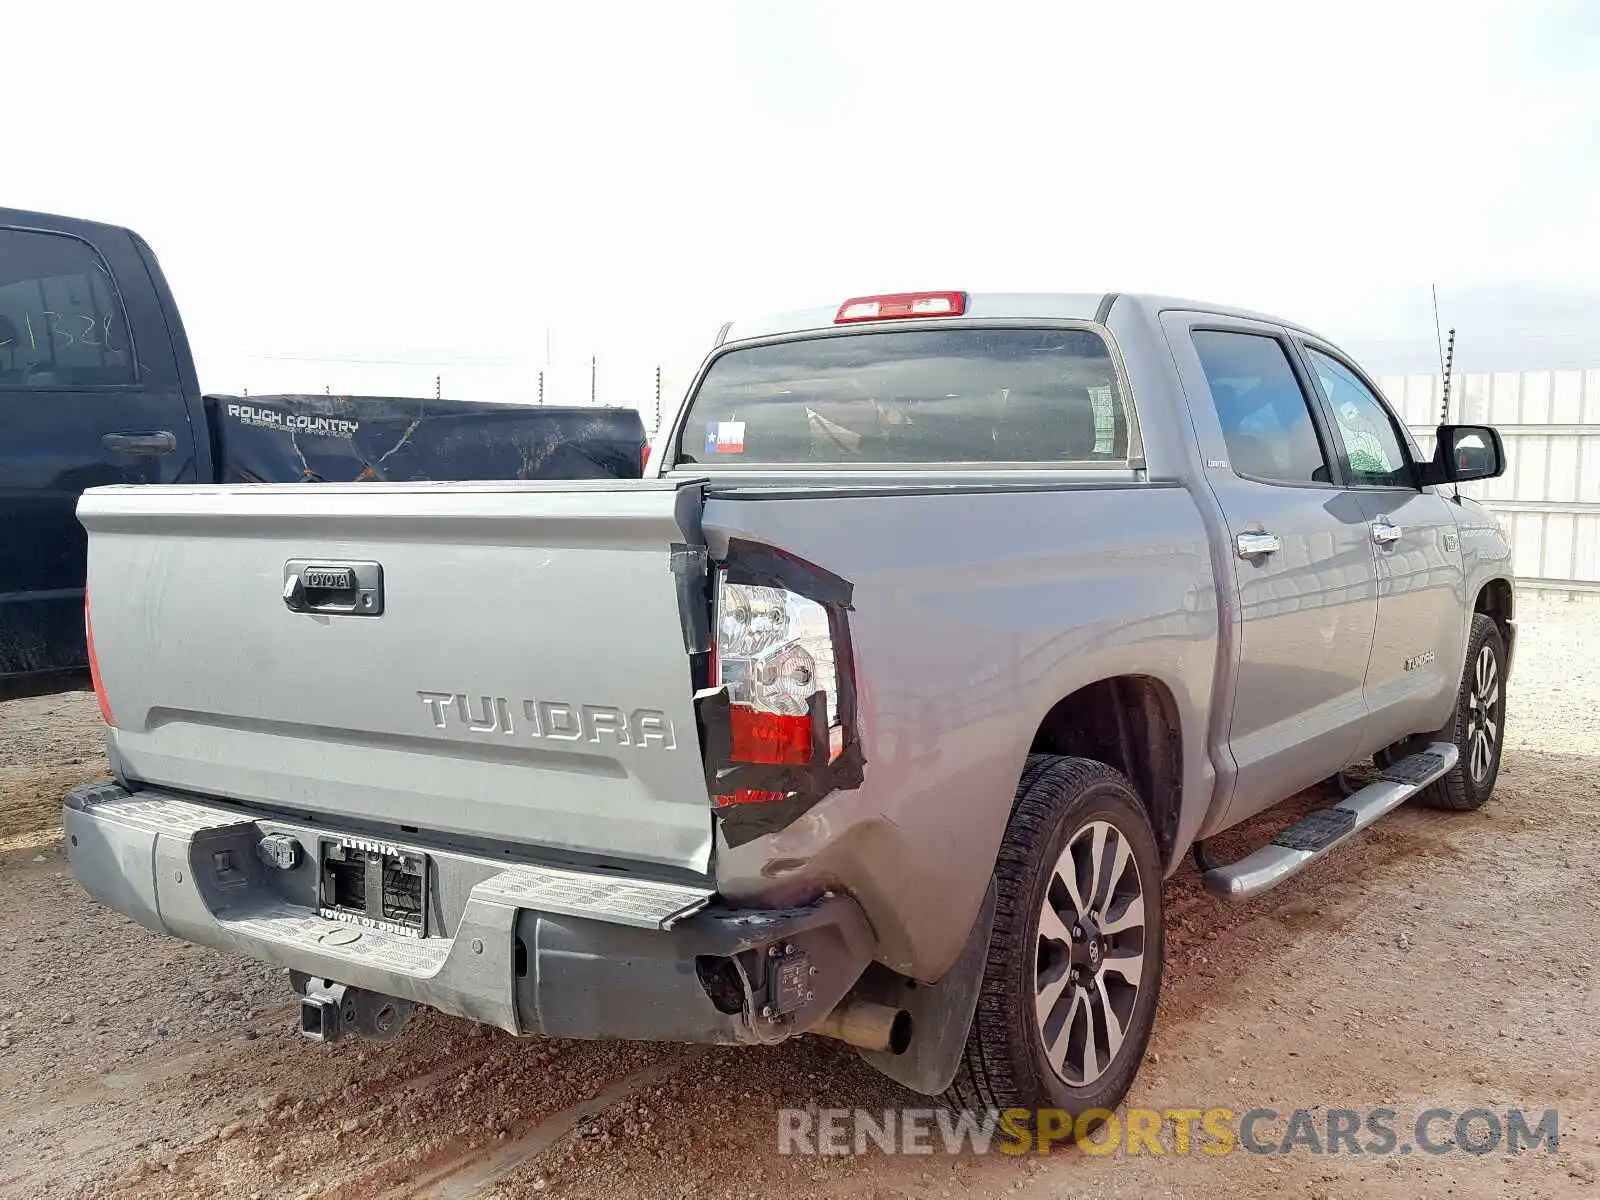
{"points": [[97, 386]]}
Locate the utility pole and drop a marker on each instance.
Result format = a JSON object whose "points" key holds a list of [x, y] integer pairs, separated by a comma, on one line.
{"points": [[657, 424], [541, 387], [437, 379], [594, 366]]}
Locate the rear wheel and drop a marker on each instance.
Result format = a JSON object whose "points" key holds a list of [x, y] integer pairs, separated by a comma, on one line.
{"points": [[1479, 727], [1075, 959]]}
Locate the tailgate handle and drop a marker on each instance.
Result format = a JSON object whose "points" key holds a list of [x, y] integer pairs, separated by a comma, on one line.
{"points": [[334, 589]]}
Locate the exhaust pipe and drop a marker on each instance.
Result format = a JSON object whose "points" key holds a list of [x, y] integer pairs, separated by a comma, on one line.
{"points": [[868, 1026]]}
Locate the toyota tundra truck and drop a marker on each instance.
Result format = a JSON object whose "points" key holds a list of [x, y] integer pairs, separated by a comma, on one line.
{"points": [[944, 629]]}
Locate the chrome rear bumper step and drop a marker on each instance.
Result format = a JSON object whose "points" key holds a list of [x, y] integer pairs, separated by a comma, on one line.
{"points": [[1309, 838]]}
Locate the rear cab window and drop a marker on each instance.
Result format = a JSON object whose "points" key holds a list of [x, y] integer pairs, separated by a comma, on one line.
{"points": [[910, 396]]}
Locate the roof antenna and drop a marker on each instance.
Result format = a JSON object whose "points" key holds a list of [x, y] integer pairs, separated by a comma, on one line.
{"points": [[1449, 364], [1446, 359]]}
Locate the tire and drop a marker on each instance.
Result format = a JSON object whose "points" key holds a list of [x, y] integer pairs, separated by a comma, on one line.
{"points": [[1469, 784], [1066, 809]]}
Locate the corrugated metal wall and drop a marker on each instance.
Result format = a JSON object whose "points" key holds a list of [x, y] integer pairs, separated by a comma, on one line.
{"points": [[1549, 497]]}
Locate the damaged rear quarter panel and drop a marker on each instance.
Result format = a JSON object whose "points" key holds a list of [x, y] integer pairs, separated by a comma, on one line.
{"points": [[974, 612]]}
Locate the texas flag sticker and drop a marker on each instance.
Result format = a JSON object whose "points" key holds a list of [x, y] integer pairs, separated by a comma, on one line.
{"points": [[725, 437]]}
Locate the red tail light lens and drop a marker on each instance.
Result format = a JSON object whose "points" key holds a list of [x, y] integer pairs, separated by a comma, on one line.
{"points": [[94, 665], [750, 796], [763, 737]]}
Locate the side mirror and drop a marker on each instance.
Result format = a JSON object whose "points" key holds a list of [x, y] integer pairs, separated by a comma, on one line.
{"points": [[1466, 452]]}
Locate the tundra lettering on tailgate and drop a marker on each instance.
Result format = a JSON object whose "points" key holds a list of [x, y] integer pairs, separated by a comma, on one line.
{"points": [[553, 719]]}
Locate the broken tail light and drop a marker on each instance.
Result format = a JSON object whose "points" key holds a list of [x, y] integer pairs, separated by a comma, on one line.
{"points": [[781, 660]]}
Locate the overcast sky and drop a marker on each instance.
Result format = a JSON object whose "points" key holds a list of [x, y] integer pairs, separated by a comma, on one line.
{"points": [[361, 196]]}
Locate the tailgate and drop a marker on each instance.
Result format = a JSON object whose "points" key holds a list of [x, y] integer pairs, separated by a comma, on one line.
{"points": [[521, 674]]}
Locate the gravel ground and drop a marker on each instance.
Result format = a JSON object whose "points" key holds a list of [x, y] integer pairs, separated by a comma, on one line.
{"points": [[48, 746], [1443, 961]]}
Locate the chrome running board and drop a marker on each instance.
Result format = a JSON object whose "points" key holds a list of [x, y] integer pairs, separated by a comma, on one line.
{"points": [[1309, 838]]}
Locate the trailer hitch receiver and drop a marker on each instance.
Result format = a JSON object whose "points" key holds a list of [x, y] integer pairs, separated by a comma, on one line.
{"points": [[329, 1011]]}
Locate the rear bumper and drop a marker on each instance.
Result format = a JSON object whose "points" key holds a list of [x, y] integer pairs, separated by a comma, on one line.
{"points": [[530, 949]]}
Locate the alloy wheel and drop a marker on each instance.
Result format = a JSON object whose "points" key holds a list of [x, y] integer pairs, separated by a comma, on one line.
{"points": [[1483, 715], [1089, 964]]}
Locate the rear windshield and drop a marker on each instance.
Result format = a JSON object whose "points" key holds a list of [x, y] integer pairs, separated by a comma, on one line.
{"points": [[912, 396]]}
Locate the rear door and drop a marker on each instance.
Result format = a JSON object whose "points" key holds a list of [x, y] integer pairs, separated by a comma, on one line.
{"points": [[1300, 550], [88, 396], [1420, 639]]}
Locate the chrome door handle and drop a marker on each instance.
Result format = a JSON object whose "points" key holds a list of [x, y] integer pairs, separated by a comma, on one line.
{"points": [[1258, 545], [1385, 532]]}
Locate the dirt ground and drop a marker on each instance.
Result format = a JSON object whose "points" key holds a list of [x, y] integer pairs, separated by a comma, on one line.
{"points": [[1444, 961]]}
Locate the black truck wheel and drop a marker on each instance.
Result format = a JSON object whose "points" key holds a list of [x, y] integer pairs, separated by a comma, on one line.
{"points": [[1074, 968]]}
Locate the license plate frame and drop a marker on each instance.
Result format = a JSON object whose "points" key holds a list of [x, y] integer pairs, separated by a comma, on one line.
{"points": [[374, 884]]}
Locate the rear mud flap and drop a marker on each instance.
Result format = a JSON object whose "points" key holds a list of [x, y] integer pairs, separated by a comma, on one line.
{"points": [[941, 1015]]}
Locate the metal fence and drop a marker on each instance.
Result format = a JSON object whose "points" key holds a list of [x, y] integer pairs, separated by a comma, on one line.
{"points": [[1549, 498]]}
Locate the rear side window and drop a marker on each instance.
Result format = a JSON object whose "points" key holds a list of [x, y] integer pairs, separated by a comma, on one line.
{"points": [[912, 396], [61, 323], [1265, 416]]}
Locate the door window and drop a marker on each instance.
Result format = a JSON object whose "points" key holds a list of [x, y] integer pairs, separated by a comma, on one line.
{"points": [[61, 323], [1376, 454], [1265, 416]]}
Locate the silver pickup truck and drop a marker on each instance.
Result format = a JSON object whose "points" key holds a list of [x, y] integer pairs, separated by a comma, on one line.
{"points": [[945, 627]]}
